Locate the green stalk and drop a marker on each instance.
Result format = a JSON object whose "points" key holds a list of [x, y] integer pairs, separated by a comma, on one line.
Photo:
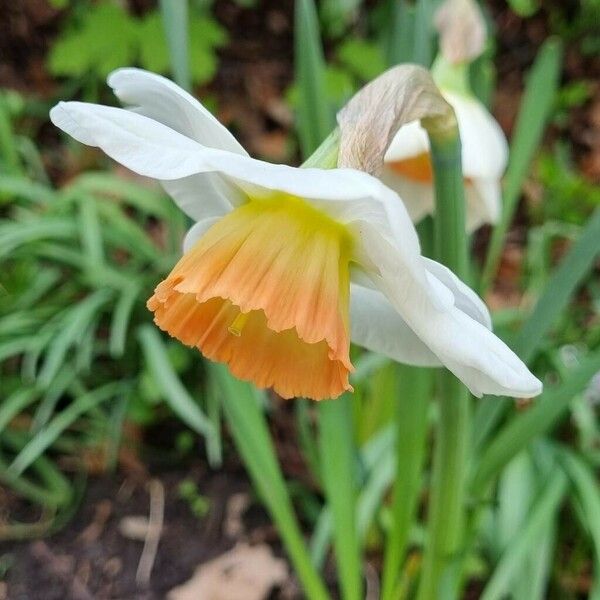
{"points": [[326, 155], [412, 408], [447, 497]]}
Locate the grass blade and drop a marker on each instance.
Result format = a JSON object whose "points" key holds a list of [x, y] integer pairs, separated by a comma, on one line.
{"points": [[76, 321], [47, 436], [542, 514], [338, 474], [120, 320], [177, 397], [556, 297], [587, 490], [423, 33], [536, 107], [89, 231], [175, 21], [15, 403], [398, 32], [251, 435], [538, 419], [561, 287], [315, 115], [412, 408]]}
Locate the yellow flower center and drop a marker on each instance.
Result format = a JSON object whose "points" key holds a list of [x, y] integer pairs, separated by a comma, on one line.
{"points": [[266, 290]]}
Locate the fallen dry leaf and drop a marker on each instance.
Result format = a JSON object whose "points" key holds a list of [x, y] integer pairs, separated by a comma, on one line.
{"points": [[243, 573]]}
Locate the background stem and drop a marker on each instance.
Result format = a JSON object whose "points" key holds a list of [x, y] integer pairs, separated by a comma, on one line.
{"points": [[446, 502]]}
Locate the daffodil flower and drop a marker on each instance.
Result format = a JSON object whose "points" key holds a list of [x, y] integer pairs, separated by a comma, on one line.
{"points": [[408, 168], [462, 32], [284, 265]]}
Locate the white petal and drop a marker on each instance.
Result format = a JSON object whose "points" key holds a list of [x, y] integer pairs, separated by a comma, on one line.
{"points": [[465, 298], [377, 326], [139, 143], [484, 202], [410, 141], [416, 195], [158, 98], [154, 150], [196, 231], [484, 145], [463, 344], [204, 195]]}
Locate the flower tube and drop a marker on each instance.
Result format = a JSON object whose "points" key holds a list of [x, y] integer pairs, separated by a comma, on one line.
{"points": [[285, 266]]}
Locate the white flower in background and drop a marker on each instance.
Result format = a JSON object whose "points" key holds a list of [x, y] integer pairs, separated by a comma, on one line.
{"points": [[285, 265], [484, 147]]}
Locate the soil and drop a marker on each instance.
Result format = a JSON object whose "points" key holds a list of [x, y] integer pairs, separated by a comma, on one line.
{"points": [[94, 558]]}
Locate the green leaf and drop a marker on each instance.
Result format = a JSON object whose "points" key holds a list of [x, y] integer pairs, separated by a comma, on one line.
{"points": [[587, 491], [565, 281], [411, 412], [169, 383], [398, 31], [315, 116], [49, 434], [205, 36], [15, 234], [75, 322], [338, 475], [241, 406], [552, 303], [362, 58], [526, 543], [423, 33], [105, 39], [121, 318], [149, 201], [15, 403], [535, 421], [535, 111], [524, 8], [175, 20]]}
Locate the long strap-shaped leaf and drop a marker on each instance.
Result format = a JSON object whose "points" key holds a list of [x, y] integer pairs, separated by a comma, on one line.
{"points": [[555, 299], [175, 21], [540, 517], [251, 436], [315, 116], [523, 428], [535, 110], [338, 475]]}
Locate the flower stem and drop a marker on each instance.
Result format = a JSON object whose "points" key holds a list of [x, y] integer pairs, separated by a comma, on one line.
{"points": [[326, 155], [447, 496]]}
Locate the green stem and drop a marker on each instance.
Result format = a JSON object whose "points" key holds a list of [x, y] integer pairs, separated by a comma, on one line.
{"points": [[447, 497], [411, 413], [326, 155]]}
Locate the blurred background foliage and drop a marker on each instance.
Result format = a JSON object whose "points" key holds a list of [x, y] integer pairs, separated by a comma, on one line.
{"points": [[85, 377]]}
